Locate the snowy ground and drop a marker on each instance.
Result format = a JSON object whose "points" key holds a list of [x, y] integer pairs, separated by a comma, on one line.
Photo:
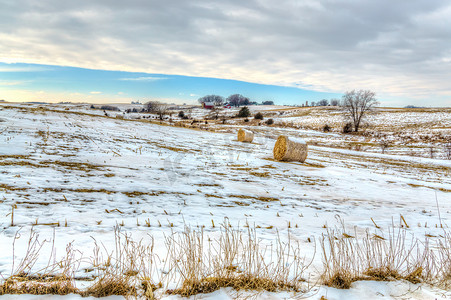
{"points": [[89, 173], [420, 132]]}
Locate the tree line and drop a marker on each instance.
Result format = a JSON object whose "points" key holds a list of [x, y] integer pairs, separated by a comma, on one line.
{"points": [[240, 100], [355, 104], [233, 100]]}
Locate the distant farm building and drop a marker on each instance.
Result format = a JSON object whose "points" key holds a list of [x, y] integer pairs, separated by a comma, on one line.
{"points": [[208, 105]]}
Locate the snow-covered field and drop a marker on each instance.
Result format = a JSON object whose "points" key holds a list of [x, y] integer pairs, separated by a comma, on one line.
{"points": [[75, 176], [412, 132], [417, 132]]}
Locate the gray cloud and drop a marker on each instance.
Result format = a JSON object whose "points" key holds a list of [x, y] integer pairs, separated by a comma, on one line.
{"points": [[398, 48]]}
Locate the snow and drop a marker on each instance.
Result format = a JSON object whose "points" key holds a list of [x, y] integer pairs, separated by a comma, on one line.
{"points": [[95, 172], [414, 132]]}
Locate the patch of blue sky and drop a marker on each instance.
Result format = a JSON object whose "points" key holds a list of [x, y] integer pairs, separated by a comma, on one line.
{"points": [[136, 86]]}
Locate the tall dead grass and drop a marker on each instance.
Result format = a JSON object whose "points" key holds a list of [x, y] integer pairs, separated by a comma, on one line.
{"points": [[126, 271], [376, 256], [196, 262], [57, 277], [235, 259]]}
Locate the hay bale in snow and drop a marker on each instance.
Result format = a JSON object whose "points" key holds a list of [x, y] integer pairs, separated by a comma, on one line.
{"points": [[290, 149], [245, 136]]}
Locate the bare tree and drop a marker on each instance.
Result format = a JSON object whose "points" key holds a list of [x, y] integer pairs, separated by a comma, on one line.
{"points": [[334, 102], [237, 100], [158, 108], [384, 144], [214, 113], [357, 103], [216, 99], [268, 102], [323, 102]]}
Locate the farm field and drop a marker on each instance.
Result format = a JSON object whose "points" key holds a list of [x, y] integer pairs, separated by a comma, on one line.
{"points": [[72, 176], [418, 132]]}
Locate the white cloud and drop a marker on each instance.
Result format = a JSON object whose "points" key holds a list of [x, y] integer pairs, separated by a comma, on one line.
{"points": [[95, 92], [11, 82], [7, 69]]}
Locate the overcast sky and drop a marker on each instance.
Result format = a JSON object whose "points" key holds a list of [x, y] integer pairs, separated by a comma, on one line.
{"points": [[400, 49]]}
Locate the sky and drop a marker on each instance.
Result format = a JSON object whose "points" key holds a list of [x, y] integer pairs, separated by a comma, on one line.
{"points": [[45, 83], [287, 51]]}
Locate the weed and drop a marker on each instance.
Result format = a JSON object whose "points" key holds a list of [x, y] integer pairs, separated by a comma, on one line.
{"points": [[234, 260], [372, 257]]}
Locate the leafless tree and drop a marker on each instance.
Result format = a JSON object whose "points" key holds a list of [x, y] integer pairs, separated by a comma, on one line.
{"points": [[384, 144], [334, 102], [268, 102], [323, 102], [158, 108], [216, 99], [214, 114], [357, 103], [237, 100]]}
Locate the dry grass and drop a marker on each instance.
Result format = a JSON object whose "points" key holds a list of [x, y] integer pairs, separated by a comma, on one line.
{"points": [[57, 278], [260, 198], [443, 261], [38, 286], [75, 166], [260, 174], [11, 188], [236, 260], [120, 272], [349, 258], [214, 196], [199, 263]]}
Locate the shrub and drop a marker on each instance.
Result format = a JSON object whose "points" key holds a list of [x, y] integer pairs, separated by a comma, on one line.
{"points": [[246, 120], [326, 128], [109, 107], [384, 144], [181, 114], [334, 102], [244, 112], [158, 108], [92, 106], [258, 116], [269, 122], [347, 128]]}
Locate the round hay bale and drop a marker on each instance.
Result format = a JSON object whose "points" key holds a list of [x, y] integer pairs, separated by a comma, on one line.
{"points": [[290, 149], [245, 136]]}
